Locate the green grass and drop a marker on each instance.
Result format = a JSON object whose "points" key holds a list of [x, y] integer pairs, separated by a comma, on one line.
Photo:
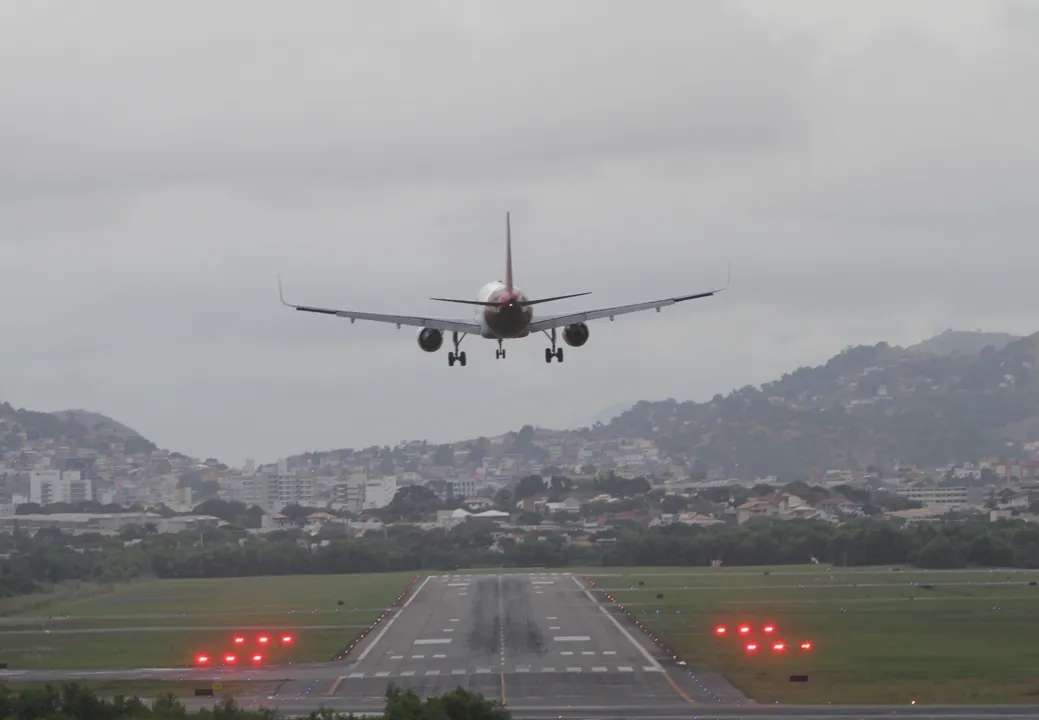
{"points": [[133, 613], [878, 635], [149, 689]]}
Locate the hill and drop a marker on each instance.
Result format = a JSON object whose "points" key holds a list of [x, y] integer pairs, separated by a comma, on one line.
{"points": [[965, 342], [93, 420], [870, 405], [22, 429]]}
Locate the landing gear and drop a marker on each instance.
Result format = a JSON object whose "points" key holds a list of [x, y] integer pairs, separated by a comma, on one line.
{"points": [[553, 352], [500, 352], [458, 355]]}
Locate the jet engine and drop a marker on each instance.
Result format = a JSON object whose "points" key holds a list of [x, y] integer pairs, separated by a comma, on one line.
{"points": [[575, 335], [430, 340]]}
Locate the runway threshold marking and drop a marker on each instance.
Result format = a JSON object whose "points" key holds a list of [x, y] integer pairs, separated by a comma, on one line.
{"points": [[377, 638]]}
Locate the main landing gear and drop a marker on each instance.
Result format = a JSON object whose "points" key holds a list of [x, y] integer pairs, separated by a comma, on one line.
{"points": [[552, 352], [458, 355], [499, 354]]}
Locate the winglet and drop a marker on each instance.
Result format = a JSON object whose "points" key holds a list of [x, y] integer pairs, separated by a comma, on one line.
{"points": [[508, 254], [281, 294]]}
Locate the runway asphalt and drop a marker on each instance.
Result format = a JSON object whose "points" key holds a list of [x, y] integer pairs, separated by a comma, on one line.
{"points": [[542, 644]]}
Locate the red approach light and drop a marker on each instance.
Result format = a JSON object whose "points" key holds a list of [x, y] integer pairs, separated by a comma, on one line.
{"points": [[744, 629], [806, 645], [239, 640], [257, 658], [769, 628], [263, 639], [202, 659], [752, 647], [286, 639], [779, 647], [720, 630], [230, 659]]}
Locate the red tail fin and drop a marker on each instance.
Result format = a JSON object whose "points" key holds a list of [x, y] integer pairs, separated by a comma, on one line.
{"points": [[508, 254]]}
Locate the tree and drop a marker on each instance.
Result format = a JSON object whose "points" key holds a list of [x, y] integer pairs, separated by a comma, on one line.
{"points": [[528, 486]]}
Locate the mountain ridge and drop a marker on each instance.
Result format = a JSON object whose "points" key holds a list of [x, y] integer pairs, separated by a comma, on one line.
{"points": [[957, 397]]}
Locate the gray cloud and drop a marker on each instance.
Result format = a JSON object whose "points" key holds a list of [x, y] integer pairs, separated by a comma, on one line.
{"points": [[868, 168]]}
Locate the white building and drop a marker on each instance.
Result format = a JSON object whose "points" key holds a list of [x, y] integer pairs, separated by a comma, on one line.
{"points": [[379, 492], [463, 488], [948, 497], [57, 486], [351, 494]]}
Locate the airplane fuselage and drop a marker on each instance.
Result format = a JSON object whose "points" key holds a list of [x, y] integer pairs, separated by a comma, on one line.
{"points": [[507, 319]]}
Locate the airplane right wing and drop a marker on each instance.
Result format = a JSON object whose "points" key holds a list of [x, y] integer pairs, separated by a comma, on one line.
{"points": [[466, 327], [556, 321]]}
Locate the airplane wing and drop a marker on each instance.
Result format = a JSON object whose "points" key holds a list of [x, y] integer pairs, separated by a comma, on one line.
{"points": [[461, 326], [556, 321]]}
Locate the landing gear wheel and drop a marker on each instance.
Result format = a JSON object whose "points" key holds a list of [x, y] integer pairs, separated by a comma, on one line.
{"points": [[458, 355], [500, 352], [553, 352]]}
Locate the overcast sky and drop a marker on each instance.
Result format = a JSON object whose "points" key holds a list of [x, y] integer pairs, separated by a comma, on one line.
{"points": [[870, 168]]}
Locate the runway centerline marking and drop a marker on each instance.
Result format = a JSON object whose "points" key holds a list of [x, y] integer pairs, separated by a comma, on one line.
{"points": [[377, 638], [571, 638], [433, 641]]}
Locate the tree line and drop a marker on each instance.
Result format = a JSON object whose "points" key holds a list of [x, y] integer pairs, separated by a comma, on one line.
{"points": [[75, 702], [49, 557]]}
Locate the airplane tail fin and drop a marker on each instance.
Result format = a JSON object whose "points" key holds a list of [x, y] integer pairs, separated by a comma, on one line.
{"points": [[508, 279], [508, 254]]}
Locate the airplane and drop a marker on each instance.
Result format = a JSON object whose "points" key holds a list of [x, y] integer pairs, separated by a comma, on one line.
{"points": [[504, 313]]}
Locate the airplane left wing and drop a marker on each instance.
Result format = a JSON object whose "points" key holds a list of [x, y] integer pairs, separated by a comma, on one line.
{"points": [[557, 321], [460, 326]]}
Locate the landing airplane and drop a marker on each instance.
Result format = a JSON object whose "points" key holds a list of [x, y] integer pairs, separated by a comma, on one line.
{"points": [[504, 313]]}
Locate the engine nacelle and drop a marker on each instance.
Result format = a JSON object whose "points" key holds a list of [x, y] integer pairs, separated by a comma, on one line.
{"points": [[430, 340], [575, 335]]}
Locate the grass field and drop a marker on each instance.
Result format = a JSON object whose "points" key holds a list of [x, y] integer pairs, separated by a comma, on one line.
{"points": [[165, 623], [878, 636]]}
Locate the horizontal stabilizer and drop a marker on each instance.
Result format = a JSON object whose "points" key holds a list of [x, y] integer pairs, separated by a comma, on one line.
{"points": [[524, 303], [553, 299]]}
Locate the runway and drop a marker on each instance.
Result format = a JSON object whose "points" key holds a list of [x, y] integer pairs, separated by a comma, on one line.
{"points": [[542, 644], [521, 639], [539, 640]]}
